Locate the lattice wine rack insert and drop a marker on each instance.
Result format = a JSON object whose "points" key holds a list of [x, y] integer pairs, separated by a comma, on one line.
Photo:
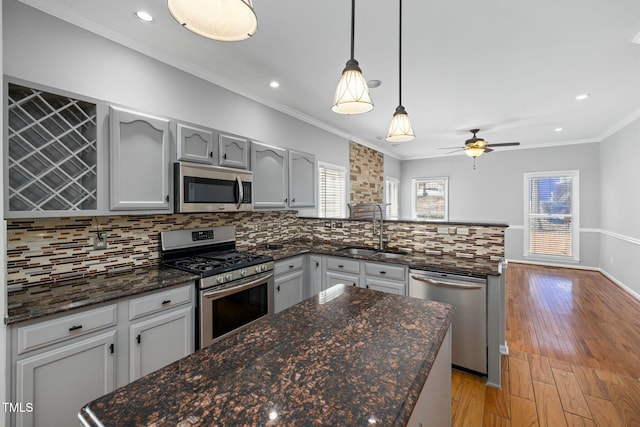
{"points": [[52, 155]]}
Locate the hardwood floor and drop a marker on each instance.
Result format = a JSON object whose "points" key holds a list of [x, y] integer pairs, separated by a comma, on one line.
{"points": [[574, 355]]}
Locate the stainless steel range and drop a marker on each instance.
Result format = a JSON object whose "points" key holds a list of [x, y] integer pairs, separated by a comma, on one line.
{"points": [[235, 288]]}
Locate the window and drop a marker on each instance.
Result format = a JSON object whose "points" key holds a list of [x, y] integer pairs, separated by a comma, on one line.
{"points": [[551, 222], [430, 199], [332, 192], [391, 196]]}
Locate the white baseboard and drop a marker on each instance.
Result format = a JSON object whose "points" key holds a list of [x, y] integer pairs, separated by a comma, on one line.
{"points": [[621, 285], [504, 349]]}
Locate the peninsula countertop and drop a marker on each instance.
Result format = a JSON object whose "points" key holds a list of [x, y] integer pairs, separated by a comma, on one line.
{"points": [[348, 356]]}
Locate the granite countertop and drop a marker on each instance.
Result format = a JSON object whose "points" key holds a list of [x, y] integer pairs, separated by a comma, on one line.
{"points": [[348, 356], [49, 298], [443, 263]]}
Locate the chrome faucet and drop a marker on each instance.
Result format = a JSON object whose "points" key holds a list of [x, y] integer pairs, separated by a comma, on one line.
{"points": [[380, 227]]}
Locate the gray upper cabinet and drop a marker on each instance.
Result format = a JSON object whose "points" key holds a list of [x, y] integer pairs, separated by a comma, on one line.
{"points": [[302, 179], [194, 144], [51, 154], [269, 166], [139, 153], [233, 151]]}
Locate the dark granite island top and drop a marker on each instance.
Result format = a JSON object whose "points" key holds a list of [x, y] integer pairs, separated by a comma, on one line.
{"points": [[347, 356]]}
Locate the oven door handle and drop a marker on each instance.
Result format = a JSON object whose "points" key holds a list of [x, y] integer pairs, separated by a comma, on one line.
{"points": [[229, 291], [240, 192]]}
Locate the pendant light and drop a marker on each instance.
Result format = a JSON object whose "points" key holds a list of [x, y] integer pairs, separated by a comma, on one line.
{"points": [[224, 20], [352, 94], [400, 129]]}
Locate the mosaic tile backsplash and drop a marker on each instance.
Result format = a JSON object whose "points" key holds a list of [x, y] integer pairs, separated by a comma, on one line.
{"points": [[367, 174], [41, 250]]}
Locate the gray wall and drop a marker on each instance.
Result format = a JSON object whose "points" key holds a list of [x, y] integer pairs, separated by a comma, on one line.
{"points": [[63, 56], [494, 191], [620, 206]]}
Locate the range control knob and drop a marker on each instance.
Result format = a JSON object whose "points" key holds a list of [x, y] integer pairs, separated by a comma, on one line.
{"points": [[243, 273], [263, 267], [219, 279], [228, 276], [257, 269]]}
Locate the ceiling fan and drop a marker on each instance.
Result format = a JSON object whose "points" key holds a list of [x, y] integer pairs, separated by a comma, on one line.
{"points": [[475, 146]]}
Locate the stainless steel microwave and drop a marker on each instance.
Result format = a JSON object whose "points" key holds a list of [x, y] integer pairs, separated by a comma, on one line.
{"points": [[202, 188]]}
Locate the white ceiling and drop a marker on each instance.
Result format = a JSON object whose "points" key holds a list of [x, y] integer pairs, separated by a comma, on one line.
{"points": [[509, 67]]}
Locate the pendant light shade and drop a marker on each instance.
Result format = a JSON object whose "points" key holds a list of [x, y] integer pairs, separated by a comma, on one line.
{"points": [[224, 20], [400, 129], [352, 94]]}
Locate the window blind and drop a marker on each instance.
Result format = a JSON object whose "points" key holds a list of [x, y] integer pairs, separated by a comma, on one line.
{"points": [[551, 217], [391, 197], [332, 193]]}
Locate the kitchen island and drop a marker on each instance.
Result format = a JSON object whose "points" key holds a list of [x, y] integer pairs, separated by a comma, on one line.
{"points": [[348, 356]]}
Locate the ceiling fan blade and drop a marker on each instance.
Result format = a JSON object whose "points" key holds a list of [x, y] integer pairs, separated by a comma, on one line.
{"points": [[488, 150], [454, 151], [450, 148], [504, 144]]}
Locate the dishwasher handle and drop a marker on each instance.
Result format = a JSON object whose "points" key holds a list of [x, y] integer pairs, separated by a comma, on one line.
{"points": [[446, 284]]}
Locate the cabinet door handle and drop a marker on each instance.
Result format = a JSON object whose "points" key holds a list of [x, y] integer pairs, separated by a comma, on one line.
{"points": [[286, 200], [139, 338], [293, 200], [317, 264], [210, 153], [111, 348], [354, 283], [224, 156], [167, 301], [367, 286], [167, 198], [75, 328], [278, 288]]}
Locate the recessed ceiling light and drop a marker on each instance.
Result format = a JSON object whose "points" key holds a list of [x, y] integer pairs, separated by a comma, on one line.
{"points": [[373, 83], [274, 84], [559, 129], [144, 16], [582, 96]]}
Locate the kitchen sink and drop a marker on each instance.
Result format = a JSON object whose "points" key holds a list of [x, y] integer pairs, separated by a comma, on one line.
{"points": [[358, 251], [390, 255]]}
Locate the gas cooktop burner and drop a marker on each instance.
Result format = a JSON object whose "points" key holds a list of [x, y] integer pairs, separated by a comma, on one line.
{"points": [[211, 263]]}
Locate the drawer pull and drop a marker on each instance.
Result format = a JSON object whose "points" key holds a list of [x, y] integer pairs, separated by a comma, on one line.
{"points": [[75, 328], [291, 266], [383, 272], [340, 266], [167, 301]]}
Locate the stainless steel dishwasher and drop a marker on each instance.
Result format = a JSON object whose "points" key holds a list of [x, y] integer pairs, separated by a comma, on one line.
{"points": [[469, 328]]}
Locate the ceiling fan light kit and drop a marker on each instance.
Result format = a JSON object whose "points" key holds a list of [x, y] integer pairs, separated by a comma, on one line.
{"points": [[400, 129], [352, 94], [223, 20]]}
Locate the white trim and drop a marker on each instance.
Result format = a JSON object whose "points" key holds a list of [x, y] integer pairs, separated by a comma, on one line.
{"points": [[636, 39], [340, 168], [553, 264], [621, 237], [621, 285], [621, 124], [504, 349]]}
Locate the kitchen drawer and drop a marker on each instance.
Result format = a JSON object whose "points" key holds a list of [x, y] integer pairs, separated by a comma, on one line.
{"points": [[160, 301], [343, 264], [287, 265], [52, 331], [387, 271]]}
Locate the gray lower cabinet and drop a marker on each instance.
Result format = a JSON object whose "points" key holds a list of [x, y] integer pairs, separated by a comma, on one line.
{"points": [[159, 341], [64, 361], [315, 275], [384, 277], [288, 283], [233, 151], [333, 278], [139, 154], [194, 144], [58, 382]]}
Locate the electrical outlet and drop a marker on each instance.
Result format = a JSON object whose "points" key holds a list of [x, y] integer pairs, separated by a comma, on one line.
{"points": [[463, 231], [327, 224], [337, 224], [100, 241], [443, 230]]}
